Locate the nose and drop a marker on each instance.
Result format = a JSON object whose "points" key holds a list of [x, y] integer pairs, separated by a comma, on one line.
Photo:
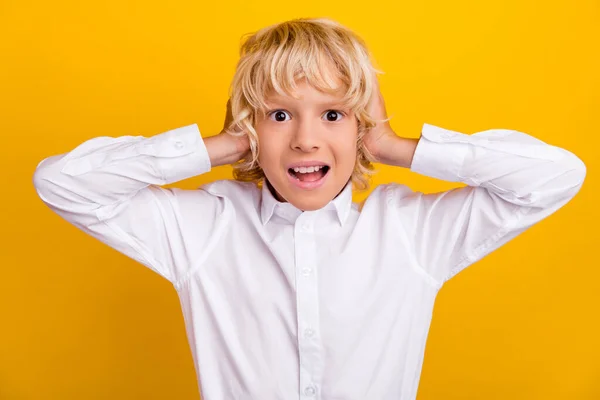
{"points": [[305, 137]]}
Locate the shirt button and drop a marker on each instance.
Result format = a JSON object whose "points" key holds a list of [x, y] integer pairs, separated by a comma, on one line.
{"points": [[306, 271], [306, 228], [309, 332], [309, 391], [179, 144]]}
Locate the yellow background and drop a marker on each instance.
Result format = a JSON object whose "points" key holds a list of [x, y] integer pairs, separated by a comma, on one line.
{"points": [[81, 321]]}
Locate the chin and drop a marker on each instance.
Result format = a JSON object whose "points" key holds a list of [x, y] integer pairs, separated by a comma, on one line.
{"points": [[308, 202], [303, 199]]}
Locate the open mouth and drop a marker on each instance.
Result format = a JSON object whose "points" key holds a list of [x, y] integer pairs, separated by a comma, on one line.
{"points": [[310, 174]]}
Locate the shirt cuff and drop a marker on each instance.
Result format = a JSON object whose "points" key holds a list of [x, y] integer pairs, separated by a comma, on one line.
{"points": [[440, 153], [181, 153]]}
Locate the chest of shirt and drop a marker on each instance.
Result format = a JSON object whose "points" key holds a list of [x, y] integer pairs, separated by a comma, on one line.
{"points": [[350, 270]]}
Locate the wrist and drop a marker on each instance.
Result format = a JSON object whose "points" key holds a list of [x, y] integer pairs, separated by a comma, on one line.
{"points": [[396, 150], [222, 149]]}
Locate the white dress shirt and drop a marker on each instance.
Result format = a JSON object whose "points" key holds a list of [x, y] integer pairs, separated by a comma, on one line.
{"points": [[333, 304]]}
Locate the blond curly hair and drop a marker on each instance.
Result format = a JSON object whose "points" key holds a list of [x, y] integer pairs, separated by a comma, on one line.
{"points": [[275, 57]]}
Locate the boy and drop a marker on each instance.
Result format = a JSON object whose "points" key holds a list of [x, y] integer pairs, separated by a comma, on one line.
{"points": [[288, 289]]}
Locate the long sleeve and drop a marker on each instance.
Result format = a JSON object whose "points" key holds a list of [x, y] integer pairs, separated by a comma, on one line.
{"points": [[513, 181], [109, 187]]}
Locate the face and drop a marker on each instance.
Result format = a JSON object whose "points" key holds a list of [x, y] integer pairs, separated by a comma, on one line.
{"points": [[307, 147]]}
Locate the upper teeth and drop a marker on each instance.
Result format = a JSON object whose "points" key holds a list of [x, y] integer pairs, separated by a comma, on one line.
{"points": [[304, 170]]}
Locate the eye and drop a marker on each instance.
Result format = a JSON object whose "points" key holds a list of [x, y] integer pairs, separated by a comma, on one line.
{"points": [[332, 114], [279, 115]]}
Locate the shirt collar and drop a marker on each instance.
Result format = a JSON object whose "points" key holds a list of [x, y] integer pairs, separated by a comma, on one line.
{"points": [[341, 204]]}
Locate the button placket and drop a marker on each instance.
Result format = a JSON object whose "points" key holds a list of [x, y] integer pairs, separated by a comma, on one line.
{"points": [[311, 357]]}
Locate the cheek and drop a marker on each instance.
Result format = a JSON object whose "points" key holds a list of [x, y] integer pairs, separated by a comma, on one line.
{"points": [[268, 154], [346, 150]]}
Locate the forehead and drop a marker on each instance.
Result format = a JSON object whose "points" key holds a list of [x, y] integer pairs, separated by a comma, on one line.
{"points": [[306, 92]]}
